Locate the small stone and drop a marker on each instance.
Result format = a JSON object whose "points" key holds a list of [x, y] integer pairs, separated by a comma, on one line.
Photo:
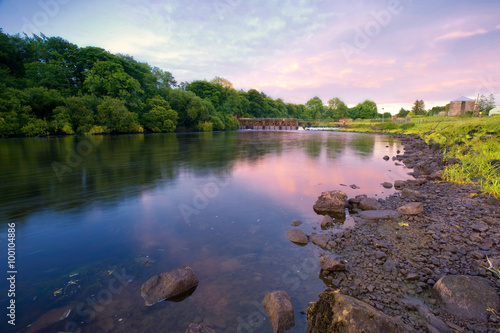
{"points": [[329, 264], [387, 185], [480, 227], [412, 276], [369, 204], [296, 223], [326, 222], [380, 254], [413, 208], [386, 158], [320, 240]]}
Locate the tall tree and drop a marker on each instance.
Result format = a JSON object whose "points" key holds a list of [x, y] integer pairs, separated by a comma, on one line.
{"points": [[418, 108], [315, 108]]}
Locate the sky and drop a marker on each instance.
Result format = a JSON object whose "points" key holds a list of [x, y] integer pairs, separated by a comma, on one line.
{"points": [[390, 51]]}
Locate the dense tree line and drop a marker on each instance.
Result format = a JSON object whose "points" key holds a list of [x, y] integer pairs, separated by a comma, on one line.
{"points": [[48, 85]]}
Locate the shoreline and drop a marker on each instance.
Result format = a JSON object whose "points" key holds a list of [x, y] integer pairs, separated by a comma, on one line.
{"points": [[393, 264]]}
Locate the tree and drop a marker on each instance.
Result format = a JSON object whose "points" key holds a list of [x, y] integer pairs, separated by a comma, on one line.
{"points": [[337, 109], [365, 110], [402, 113], [159, 116], [315, 108], [418, 108], [485, 104], [114, 115]]}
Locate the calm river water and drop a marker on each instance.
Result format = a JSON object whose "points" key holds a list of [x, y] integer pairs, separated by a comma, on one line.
{"points": [[96, 217]]}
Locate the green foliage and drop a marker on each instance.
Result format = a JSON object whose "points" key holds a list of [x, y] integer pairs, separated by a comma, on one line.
{"points": [[365, 110], [418, 108], [315, 108], [204, 126]]}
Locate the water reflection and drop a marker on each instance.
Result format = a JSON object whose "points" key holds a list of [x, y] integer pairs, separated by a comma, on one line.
{"points": [[219, 202]]}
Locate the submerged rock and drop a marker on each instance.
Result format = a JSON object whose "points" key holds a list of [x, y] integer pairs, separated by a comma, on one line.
{"points": [[280, 310], [320, 240], [337, 313], [297, 236], [331, 202], [50, 318], [387, 185], [467, 297], [194, 328], [296, 223], [413, 208], [168, 285]]}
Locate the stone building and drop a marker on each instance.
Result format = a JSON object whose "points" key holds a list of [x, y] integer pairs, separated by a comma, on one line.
{"points": [[461, 105]]}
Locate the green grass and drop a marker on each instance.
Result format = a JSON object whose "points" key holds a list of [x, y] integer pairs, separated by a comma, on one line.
{"points": [[473, 141]]}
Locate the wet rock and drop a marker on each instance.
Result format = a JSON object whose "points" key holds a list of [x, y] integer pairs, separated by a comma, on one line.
{"points": [[380, 254], [331, 202], [320, 240], [413, 208], [422, 168], [168, 285], [399, 183], [369, 204], [326, 222], [386, 158], [466, 297], [280, 310], [296, 223], [335, 312], [194, 328], [407, 193], [329, 264], [379, 214], [354, 186], [297, 236], [387, 185]]}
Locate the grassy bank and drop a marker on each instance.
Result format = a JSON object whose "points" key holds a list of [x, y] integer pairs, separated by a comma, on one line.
{"points": [[473, 141]]}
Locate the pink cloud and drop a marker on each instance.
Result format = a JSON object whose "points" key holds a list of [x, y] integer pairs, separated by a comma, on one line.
{"points": [[462, 34]]}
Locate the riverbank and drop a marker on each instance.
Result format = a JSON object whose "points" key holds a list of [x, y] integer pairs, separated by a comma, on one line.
{"points": [[394, 264]]}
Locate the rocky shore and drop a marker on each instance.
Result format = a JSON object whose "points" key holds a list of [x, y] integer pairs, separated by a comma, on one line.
{"points": [[398, 260]]}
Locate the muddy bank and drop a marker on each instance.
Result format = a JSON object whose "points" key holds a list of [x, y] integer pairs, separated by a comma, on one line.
{"points": [[392, 264]]}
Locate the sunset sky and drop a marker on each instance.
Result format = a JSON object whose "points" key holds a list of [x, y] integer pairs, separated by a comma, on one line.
{"points": [[392, 52]]}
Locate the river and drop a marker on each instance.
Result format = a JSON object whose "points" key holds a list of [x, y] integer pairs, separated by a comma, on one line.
{"points": [[97, 216]]}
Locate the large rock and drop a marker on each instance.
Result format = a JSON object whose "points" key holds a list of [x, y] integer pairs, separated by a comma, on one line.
{"points": [[413, 208], [194, 328], [379, 214], [280, 310], [467, 297], [168, 285], [329, 264], [320, 240], [369, 204], [335, 312], [407, 193], [331, 202], [399, 183], [297, 236]]}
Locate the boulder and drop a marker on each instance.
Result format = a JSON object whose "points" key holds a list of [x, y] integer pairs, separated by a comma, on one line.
{"points": [[379, 214], [329, 264], [467, 297], [335, 312], [194, 328], [326, 222], [280, 310], [387, 185], [413, 208], [297, 236], [331, 202], [369, 204], [167, 285], [321, 240]]}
